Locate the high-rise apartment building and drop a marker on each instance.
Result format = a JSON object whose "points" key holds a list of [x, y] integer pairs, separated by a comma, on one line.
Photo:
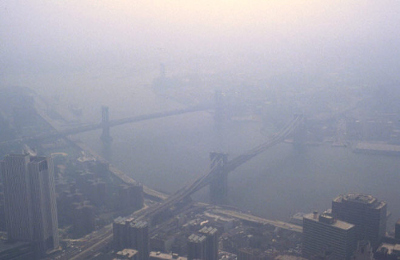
{"points": [[129, 233], [397, 230], [141, 232], [327, 238], [130, 196], [197, 247], [30, 201], [365, 212], [211, 242]]}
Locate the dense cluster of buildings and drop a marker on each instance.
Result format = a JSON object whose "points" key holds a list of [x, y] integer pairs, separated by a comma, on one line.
{"points": [[384, 127], [354, 228], [31, 210], [201, 232], [130, 233], [86, 194]]}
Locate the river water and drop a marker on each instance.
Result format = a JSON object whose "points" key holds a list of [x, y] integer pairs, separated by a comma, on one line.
{"points": [[167, 153]]}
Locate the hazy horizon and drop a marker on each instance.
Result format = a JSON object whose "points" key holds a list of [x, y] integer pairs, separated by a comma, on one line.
{"points": [[258, 37]]}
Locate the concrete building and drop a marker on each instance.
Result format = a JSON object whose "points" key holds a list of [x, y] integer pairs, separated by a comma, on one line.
{"points": [[364, 251], [83, 221], [397, 230], [163, 256], [128, 233], [141, 233], [97, 192], [211, 243], [130, 196], [365, 212], [247, 253], [197, 247], [120, 233], [30, 201], [324, 236], [130, 254], [387, 251]]}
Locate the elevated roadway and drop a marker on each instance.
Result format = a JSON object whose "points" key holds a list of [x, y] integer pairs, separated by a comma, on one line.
{"points": [[254, 219], [231, 165], [111, 123], [106, 237]]}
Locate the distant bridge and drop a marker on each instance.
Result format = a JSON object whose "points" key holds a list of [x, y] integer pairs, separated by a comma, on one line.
{"points": [[222, 169], [107, 124]]}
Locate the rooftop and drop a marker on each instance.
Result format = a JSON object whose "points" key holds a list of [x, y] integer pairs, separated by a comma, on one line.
{"points": [[38, 159], [140, 224], [128, 253], [196, 239], [335, 223], [158, 255], [389, 247], [361, 198], [208, 230]]}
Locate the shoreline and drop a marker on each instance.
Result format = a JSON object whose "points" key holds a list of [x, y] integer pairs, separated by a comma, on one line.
{"points": [[80, 146]]}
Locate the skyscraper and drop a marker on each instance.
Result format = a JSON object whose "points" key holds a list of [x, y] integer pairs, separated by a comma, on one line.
{"points": [[365, 212], [211, 243], [30, 202], [397, 230], [323, 236], [197, 247], [129, 233]]}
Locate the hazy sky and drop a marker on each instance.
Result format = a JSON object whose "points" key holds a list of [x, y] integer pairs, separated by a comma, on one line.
{"points": [[287, 33], [89, 48]]}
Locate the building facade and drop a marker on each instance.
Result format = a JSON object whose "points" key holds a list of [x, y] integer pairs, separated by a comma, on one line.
{"points": [[365, 212], [197, 247], [128, 233], [211, 242], [397, 230], [30, 201], [323, 236]]}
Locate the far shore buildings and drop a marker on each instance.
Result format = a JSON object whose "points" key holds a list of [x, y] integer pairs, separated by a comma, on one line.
{"points": [[30, 201]]}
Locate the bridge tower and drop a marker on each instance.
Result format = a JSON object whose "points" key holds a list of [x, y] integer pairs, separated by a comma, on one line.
{"points": [[219, 186], [105, 135], [300, 132]]}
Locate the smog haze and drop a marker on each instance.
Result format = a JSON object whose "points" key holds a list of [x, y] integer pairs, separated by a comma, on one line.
{"points": [[271, 58]]}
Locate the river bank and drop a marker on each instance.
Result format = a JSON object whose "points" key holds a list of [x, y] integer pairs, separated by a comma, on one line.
{"points": [[79, 146]]}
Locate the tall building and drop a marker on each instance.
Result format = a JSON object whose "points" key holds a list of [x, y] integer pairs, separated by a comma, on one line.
{"points": [[130, 196], [324, 236], [128, 233], [141, 233], [211, 242], [83, 221], [364, 251], [248, 253], [365, 212], [197, 247], [397, 230], [30, 202]]}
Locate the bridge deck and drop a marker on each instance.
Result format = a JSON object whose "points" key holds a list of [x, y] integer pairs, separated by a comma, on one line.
{"points": [[205, 179]]}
